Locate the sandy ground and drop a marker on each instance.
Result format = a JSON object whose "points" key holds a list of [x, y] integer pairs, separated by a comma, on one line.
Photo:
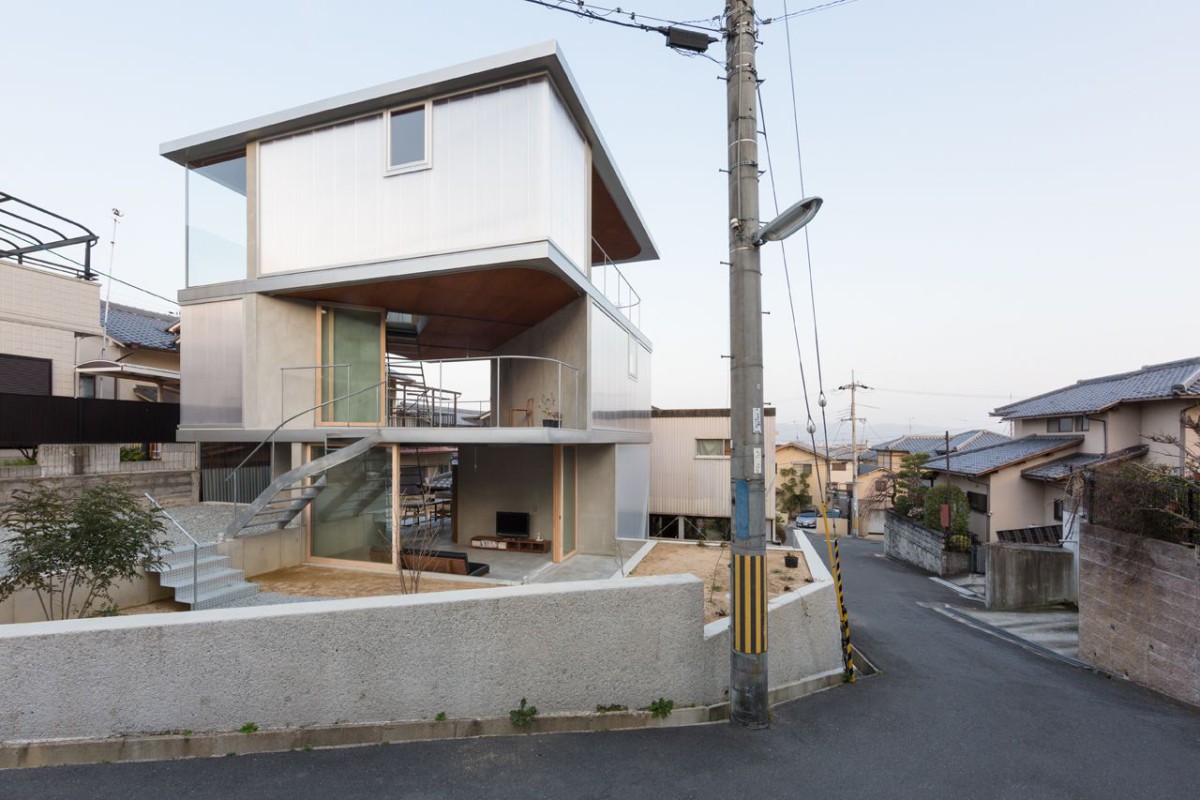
{"points": [[329, 582], [325, 583], [711, 565]]}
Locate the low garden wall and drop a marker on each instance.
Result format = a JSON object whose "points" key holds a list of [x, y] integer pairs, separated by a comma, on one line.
{"points": [[912, 543], [172, 479], [1139, 609], [468, 654], [1028, 576]]}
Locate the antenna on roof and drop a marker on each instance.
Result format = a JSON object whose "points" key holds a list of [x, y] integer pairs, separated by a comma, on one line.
{"points": [[112, 252]]}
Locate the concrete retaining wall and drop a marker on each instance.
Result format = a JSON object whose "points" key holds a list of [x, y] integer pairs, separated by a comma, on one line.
{"points": [[24, 606], [907, 541], [265, 552], [1139, 610], [1028, 576], [473, 653], [169, 487]]}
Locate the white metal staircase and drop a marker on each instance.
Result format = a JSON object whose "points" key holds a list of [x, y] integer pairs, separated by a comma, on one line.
{"points": [[202, 578], [286, 497]]}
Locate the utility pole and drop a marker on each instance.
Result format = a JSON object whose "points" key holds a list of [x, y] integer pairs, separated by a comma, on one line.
{"points": [[748, 695], [853, 386]]}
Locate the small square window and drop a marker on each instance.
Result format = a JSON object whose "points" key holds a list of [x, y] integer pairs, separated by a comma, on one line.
{"points": [[407, 138], [713, 448], [1081, 423]]}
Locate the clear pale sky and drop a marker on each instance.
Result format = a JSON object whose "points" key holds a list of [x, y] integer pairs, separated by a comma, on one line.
{"points": [[1011, 188]]}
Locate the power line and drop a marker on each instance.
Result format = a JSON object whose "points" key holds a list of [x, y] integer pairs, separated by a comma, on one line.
{"points": [[102, 274], [602, 14], [804, 11]]}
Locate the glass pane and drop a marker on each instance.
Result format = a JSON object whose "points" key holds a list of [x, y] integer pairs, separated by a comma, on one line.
{"points": [[350, 336], [568, 500], [710, 447], [216, 222], [352, 515], [407, 137]]}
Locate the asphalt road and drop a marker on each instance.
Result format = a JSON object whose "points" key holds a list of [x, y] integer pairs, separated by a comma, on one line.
{"points": [[954, 713]]}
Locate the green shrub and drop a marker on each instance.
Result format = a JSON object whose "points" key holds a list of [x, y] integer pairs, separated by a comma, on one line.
{"points": [[522, 717]]}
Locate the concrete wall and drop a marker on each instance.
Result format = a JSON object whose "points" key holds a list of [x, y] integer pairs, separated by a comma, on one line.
{"points": [[24, 606], [261, 553], [596, 515], [905, 540], [562, 336], [1139, 610], [505, 478], [40, 315], [280, 333], [169, 487], [1028, 576], [564, 647]]}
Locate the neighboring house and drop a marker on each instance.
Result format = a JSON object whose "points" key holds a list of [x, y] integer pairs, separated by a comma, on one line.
{"points": [[836, 473], [1022, 483], [140, 354], [690, 486], [362, 269], [892, 452], [44, 316]]}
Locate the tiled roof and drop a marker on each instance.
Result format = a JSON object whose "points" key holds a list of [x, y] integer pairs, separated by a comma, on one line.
{"points": [[967, 440], [1060, 468], [1155, 382], [138, 327], [982, 460]]}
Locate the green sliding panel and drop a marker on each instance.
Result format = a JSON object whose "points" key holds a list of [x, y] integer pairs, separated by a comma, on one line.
{"points": [[350, 336]]}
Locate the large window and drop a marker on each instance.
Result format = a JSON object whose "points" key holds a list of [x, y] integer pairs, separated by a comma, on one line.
{"points": [[408, 139], [216, 220], [1066, 424], [352, 366]]}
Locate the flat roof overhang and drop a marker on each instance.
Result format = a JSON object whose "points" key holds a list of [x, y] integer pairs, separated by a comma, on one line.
{"points": [[486, 296], [617, 225]]}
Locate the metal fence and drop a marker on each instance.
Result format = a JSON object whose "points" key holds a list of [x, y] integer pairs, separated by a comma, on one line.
{"points": [[31, 420]]}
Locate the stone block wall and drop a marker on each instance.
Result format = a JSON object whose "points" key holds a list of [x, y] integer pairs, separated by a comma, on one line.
{"points": [[1139, 610], [907, 541]]}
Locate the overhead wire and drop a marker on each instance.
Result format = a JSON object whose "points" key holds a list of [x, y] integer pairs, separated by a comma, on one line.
{"points": [[804, 11], [604, 14]]}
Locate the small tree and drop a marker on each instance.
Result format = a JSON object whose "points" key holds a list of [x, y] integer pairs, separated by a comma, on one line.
{"points": [[960, 510], [71, 552], [908, 492], [792, 495]]}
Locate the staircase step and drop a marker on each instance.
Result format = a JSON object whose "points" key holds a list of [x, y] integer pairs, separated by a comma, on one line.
{"points": [[204, 565], [178, 556], [215, 598], [181, 581]]}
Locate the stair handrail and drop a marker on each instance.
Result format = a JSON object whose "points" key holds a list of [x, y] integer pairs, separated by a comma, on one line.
{"points": [[277, 428], [195, 548]]}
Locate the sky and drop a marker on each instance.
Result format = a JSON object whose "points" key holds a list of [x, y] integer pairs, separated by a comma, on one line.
{"points": [[1010, 188]]}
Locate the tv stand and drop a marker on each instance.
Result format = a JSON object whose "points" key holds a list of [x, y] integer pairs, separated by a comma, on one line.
{"points": [[516, 545]]}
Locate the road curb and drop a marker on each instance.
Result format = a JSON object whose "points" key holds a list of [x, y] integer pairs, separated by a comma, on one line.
{"points": [[180, 744]]}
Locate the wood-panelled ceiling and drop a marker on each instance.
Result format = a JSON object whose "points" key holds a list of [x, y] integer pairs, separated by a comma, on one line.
{"points": [[608, 227], [469, 312]]}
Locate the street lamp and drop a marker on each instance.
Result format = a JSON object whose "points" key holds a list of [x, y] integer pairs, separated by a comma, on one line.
{"points": [[790, 221]]}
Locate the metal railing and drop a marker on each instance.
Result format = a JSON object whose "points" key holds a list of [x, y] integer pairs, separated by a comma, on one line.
{"points": [[443, 406], [195, 549], [621, 294]]}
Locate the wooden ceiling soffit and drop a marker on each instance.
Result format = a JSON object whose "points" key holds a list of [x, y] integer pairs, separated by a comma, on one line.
{"points": [[477, 310], [608, 227]]}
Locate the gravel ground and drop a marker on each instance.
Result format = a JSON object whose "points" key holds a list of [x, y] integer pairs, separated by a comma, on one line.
{"points": [[205, 521]]}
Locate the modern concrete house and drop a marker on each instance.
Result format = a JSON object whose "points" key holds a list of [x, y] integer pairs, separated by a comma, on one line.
{"points": [[690, 472], [1021, 483], [423, 267]]}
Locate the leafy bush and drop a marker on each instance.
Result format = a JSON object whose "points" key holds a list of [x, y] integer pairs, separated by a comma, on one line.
{"points": [[960, 510], [71, 552], [1149, 501]]}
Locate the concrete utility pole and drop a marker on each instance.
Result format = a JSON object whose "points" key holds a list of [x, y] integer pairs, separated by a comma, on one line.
{"points": [[748, 696], [853, 386]]}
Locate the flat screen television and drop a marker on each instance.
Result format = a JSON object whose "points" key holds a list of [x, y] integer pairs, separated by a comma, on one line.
{"points": [[512, 524]]}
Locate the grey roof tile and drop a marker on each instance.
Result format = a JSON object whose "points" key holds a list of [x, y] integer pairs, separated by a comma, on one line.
{"points": [[138, 327], [931, 443], [1154, 382], [1062, 467], [982, 460]]}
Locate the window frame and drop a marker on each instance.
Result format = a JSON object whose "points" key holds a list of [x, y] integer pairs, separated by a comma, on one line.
{"points": [[409, 166], [727, 448]]}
